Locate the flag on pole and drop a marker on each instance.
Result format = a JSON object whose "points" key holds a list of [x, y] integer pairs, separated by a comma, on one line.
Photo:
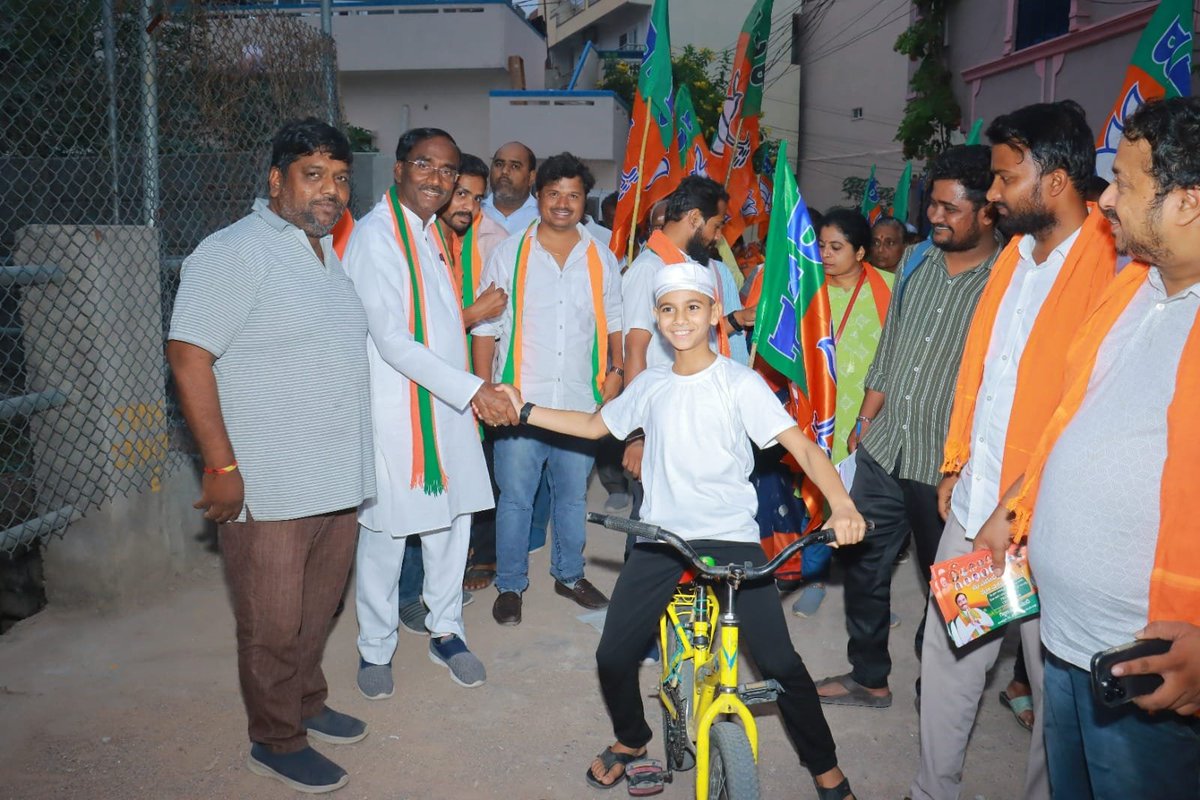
{"points": [[738, 128], [870, 207], [648, 168], [694, 155], [793, 331], [1161, 67], [976, 129], [903, 189]]}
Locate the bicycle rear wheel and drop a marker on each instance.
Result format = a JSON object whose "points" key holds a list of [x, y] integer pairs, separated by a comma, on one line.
{"points": [[675, 734], [732, 773]]}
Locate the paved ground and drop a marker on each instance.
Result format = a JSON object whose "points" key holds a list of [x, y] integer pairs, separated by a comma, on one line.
{"points": [[145, 704]]}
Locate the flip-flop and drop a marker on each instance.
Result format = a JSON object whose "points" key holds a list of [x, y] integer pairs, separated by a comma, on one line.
{"points": [[856, 694], [609, 759], [1018, 706], [479, 576]]}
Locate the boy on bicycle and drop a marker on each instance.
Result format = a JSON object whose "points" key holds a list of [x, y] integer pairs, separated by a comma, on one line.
{"points": [[699, 416]]}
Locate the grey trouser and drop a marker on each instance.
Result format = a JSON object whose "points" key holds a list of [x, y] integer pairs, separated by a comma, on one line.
{"points": [[952, 684]]}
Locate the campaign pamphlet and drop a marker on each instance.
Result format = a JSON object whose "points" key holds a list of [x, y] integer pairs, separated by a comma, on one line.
{"points": [[974, 600]]}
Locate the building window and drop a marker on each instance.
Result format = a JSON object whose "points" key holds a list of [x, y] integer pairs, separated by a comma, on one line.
{"points": [[856, 112], [1039, 20]]}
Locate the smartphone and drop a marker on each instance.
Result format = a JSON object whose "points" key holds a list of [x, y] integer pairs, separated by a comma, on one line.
{"points": [[1110, 690]]}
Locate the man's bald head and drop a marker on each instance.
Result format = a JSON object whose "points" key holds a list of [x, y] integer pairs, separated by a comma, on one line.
{"points": [[512, 174]]}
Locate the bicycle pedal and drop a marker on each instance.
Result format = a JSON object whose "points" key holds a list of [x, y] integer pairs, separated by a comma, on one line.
{"points": [[760, 692]]}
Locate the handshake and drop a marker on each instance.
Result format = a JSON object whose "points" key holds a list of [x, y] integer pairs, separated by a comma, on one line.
{"points": [[497, 404]]}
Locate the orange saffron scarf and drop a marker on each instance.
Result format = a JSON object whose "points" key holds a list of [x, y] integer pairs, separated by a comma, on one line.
{"points": [[1088, 269], [426, 461], [595, 267], [664, 248], [1175, 579]]}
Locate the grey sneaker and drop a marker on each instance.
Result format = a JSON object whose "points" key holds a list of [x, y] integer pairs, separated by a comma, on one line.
{"points": [[810, 599], [616, 501], [468, 598], [412, 618], [305, 770], [452, 653], [335, 727], [375, 680]]}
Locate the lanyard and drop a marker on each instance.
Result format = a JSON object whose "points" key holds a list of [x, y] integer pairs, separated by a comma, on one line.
{"points": [[837, 337]]}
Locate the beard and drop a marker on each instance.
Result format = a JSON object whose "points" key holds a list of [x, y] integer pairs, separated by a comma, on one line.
{"points": [[1031, 219], [1146, 245], [967, 240], [697, 250], [504, 190], [308, 221], [459, 222]]}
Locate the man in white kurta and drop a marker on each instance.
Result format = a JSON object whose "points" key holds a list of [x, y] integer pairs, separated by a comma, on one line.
{"points": [[376, 260]]}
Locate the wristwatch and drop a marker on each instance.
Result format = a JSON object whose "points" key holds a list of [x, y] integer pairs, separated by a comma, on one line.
{"points": [[525, 411], [617, 370]]}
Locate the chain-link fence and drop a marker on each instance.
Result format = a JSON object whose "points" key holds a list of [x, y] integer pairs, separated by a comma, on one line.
{"points": [[129, 131]]}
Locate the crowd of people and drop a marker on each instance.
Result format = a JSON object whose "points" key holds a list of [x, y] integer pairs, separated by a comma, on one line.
{"points": [[418, 394]]}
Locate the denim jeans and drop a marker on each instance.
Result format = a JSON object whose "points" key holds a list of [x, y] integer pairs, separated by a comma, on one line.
{"points": [[1109, 753], [412, 573], [521, 456], [541, 514]]}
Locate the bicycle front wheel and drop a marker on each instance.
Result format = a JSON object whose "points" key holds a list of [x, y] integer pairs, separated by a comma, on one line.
{"points": [[732, 773]]}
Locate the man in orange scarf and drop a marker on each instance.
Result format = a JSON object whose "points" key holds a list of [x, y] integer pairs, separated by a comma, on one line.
{"points": [[559, 342], [1051, 274], [1113, 539]]}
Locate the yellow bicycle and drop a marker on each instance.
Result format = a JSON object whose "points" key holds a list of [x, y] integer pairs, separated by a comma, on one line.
{"points": [[707, 724]]}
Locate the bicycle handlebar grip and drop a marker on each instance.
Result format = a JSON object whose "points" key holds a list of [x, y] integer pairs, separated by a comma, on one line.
{"points": [[625, 525]]}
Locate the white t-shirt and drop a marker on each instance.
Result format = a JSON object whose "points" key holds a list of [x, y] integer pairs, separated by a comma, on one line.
{"points": [[697, 462]]}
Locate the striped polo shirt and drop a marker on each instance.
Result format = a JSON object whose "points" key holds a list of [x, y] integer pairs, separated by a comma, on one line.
{"points": [[916, 365], [290, 340]]}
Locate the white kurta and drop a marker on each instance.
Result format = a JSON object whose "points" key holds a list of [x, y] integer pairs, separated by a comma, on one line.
{"points": [[375, 262]]}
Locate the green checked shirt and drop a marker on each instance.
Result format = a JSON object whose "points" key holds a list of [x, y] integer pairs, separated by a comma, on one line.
{"points": [[916, 365]]}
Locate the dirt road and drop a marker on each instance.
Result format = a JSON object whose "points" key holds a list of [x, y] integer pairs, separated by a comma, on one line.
{"points": [[144, 704]]}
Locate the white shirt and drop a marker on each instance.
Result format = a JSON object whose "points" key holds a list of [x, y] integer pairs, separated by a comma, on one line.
{"points": [[600, 233], [518, 220], [558, 320], [978, 491], [1095, 529], [697, 462], [637, 305], [375, 262]]}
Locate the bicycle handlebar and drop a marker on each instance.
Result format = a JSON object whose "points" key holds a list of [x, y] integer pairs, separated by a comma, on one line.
{"points": [[745, 572]]}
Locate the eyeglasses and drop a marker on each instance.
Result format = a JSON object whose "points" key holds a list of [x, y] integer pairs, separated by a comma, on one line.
{"points": [[424, 168]]}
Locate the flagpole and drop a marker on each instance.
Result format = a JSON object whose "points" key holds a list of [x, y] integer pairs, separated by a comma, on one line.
{"points": [[637, 197], [737, 137]]}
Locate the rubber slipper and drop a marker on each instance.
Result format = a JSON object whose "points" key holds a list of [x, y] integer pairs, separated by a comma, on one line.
{"points": [[1018, 706], [479, 576], [609, 759], [856, 694], [646, 776]]}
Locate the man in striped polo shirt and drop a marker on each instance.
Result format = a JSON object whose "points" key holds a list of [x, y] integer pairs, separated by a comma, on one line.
{"points": [[906, 413], [268, 345]]}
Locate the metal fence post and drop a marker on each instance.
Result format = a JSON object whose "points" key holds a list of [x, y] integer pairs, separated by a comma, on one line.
{"points": [[149, 87], [331, 104], [110, 76]]}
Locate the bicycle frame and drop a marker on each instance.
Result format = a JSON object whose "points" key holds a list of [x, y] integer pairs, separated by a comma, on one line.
{"points": [[715, 688]]}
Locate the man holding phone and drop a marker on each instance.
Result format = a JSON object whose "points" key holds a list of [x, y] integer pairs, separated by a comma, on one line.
{"points": [[1113, 538]]}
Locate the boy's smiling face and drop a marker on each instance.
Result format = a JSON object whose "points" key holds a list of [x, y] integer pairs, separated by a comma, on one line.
{"points": [[685, 318]]}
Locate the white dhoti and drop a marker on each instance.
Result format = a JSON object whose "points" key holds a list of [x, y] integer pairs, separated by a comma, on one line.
{"points": [[378, 563]]}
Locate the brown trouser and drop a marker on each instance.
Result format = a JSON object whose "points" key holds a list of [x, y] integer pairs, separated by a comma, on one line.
{"points": [[286, 579]]}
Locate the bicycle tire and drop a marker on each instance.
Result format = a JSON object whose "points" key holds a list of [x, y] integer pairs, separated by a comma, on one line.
{"points": [[732, 773], [675, 731]]}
